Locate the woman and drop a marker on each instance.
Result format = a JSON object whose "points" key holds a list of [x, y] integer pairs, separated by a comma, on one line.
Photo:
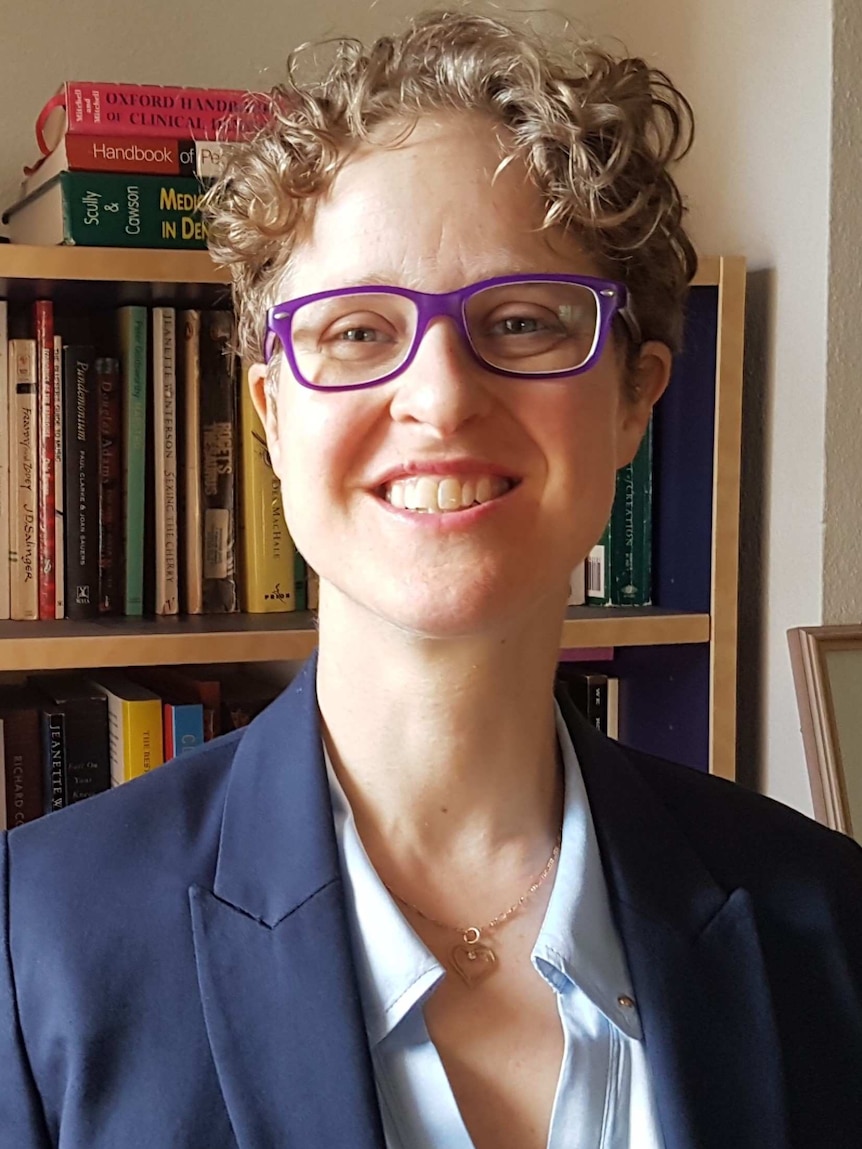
{"points": [[417, 903]]}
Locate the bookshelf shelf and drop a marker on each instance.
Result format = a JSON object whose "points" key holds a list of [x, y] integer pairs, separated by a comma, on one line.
{"points": [[27, 647]]}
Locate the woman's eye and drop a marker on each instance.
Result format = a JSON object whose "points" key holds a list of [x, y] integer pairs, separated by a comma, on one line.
{"points": [[359, 335], [524, 325]]}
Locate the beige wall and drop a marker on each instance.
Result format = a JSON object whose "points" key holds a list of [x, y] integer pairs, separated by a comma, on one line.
{"points": [[760, 75]]}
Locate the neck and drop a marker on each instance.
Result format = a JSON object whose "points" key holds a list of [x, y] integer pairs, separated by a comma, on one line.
{"points": [[446, 748]]}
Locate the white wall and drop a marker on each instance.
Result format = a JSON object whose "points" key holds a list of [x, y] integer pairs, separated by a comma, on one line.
{"points": [[760, 76]]}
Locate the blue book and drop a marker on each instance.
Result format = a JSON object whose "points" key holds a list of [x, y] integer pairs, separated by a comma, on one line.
{"points": [[183, 727]]}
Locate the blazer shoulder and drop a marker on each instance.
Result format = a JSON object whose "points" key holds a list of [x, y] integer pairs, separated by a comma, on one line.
{"points": [[173, 811], [745, 829]]}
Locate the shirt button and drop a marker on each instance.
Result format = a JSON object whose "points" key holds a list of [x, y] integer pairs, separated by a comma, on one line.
{"points": [[625, 1001]]}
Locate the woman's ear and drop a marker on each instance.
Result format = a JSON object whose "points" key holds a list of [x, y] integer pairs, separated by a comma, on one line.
{"points": [[264, 404], [645, 385]]}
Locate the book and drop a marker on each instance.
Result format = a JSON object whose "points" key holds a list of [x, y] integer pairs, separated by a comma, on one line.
{"points": [[187, 685], [141, 155], [183, 727], [103, 209], [43, 316], [218, 460], [5, 424], [577, 586], [266, 548], [19, 713], [76, 745], [595, 694], [23, 481], [167, 590], [53, 734], [133, 405], [619, 567], [243, 695], [192, 582], [134, 726], [59, 485], [107, 373], [81, 465], [84, 107]]}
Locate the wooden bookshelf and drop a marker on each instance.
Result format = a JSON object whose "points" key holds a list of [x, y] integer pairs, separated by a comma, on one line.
{"points": [[106, 277]]}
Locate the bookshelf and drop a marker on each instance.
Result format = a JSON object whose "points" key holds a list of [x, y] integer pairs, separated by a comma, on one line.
{"points": [[678, 656]]}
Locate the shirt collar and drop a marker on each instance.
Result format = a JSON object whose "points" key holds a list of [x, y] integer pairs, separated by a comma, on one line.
{"points": [[578, 944]]}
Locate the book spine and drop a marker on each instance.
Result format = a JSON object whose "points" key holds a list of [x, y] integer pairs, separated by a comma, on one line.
{"points": [[107, 210], [184, 728], [597, 588], [300, 581], [577, 586], [24, 481], [218, 461], [116, 739], [266, 549], [152, 110], [192, 491], [589, 692], [54, 760], [110, 487], [88, 767], [5, 492], [23, 755], [43, 314], [133, 404], [143, 747], [126, 154], [59, 485], [165, 441], [80, 402], [631, 530]]}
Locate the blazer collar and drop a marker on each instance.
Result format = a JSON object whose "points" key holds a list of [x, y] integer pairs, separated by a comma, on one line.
{"points": [[695, 960]]}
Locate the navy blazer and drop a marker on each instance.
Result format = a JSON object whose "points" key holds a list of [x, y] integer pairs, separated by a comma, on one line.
{"points": [[175, 967]]}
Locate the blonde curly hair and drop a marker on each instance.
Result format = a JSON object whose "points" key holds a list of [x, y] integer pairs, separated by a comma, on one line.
{"points": [[597, 133]]}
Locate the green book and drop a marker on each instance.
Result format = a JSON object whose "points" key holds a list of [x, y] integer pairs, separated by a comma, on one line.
{"points": [[133, 367], [105, 209], [619, 567]]}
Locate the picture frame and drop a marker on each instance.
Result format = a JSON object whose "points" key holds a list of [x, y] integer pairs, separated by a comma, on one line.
{"points": [[827, 674]]}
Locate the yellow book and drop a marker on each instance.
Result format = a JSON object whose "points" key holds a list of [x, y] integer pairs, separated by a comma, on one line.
{"points": [[266, 548], [134, 727]]}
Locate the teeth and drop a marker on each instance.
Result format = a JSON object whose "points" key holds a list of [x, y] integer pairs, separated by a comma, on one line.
{"points": [[428, 494]]}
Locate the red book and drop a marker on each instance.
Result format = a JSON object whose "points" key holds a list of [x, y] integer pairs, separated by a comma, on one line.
{"points": [[93, 109], [43, 313]]}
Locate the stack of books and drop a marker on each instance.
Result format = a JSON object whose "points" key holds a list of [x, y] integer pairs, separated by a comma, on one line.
{"points": [[134, 474], [125, 165], [65, 737]]}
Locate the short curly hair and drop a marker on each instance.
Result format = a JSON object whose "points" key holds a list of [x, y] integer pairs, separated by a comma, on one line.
{"points": [[597, 133]]}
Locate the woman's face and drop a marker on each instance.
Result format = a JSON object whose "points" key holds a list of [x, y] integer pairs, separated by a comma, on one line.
{"points": [[431, 215]]}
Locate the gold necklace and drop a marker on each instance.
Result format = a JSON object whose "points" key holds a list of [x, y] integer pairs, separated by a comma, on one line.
{"points": [[473, 959]]}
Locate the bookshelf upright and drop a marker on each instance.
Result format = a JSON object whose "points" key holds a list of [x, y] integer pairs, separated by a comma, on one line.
{"points": [[676, 660]]}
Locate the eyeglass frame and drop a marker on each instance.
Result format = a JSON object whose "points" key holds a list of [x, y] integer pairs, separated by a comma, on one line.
{"points": [[612, 297]]}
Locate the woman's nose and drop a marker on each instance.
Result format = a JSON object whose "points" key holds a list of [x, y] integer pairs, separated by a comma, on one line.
{"points": [[444, 386]]}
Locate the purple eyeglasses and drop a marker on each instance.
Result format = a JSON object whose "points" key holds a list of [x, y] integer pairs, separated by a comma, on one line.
{"points": [[521, 326]]}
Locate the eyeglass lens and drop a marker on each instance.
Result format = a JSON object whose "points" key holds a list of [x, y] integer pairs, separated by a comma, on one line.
{"points": [[528, 328]]}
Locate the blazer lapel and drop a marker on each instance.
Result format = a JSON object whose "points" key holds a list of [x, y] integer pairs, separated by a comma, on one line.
{"points": [[695, 962], [279, 995]]}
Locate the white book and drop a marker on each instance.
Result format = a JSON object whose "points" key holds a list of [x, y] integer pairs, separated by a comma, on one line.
{"points": [[59, 496], [4, 821], [23, 481], [578, 586], [165, 454], [5, 517]]}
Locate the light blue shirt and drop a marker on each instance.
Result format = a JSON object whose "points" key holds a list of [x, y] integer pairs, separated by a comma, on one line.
{"points": [[604, 1097]]}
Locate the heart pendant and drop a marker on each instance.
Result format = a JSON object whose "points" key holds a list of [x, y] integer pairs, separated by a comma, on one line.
{"points": [[472, 963]]}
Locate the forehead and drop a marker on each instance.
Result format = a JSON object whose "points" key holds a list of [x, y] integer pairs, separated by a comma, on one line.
{"points": [[443, 207]]}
